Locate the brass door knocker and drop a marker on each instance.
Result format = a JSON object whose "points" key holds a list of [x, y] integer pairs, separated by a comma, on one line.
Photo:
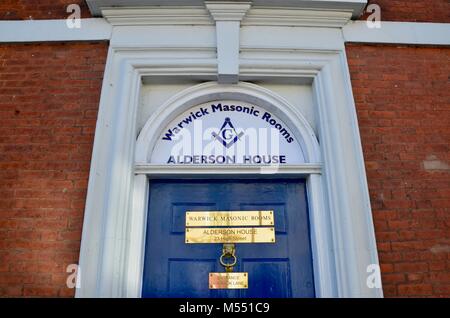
{"points": [[228, 258]]}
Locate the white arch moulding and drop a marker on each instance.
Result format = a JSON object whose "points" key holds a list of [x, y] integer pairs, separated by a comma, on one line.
{"points": [[212, 91], [342, 234]]}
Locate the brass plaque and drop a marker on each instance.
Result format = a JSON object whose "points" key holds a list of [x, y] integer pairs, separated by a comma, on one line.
{"points": [[229, 218], [228, 280], [230, 235]]}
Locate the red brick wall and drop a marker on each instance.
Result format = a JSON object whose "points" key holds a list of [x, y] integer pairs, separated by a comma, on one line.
{"points": [[39, 9], [402, 97], [414, 10], [48, 105], [49, 96]]}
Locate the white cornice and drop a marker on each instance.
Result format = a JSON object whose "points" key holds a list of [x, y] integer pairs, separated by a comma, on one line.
{"points": [[354, 6], [197, 15], [313, 13], [227, 10], [271, 16], [222, 11]]}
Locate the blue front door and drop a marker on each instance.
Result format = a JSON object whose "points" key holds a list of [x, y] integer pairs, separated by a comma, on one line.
{"points": [[175, 269]]}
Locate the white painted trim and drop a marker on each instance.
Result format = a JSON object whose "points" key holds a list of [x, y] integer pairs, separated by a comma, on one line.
{"points": [[227, 38], [296, 17], [54, 30], [227, 10], [267, 16], [194, 38], [180, 15], [185, 15], [289, 38], [355, 7], [339, 133], [408, 33], [228, 16], [138, 220], [215, 171], [398, 33]]}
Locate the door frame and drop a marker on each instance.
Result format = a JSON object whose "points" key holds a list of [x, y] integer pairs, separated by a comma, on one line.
{"points": [[323, 263], [310, 173], [235, 175], [342, 227]]}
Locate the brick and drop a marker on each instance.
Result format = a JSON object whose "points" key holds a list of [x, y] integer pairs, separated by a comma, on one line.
{"points": [[437, 266], [415, 277], [43, 169], [441, 277], [404, 134], [390, 289], [386, 268], [66, 292], [40, 291], [393, 278], [384, 247], [415, 289], [389, 256], [443, 290], [407, 246], [411, 11], [11, 291]]}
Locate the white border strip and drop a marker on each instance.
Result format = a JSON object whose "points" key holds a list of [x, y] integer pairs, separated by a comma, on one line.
{"points": [[398, 33], [99, 29], [54, 30], [226, 170]]}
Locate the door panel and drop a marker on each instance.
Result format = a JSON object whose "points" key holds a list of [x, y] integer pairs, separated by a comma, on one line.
{"points": [[175, 269]]}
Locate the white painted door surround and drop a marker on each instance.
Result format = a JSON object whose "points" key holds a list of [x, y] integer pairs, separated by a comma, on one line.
{"points": [[228, 48]]}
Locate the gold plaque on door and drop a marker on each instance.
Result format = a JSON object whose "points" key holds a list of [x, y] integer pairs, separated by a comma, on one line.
{"points": [[228, 280], [229, 218], [230, 235]]}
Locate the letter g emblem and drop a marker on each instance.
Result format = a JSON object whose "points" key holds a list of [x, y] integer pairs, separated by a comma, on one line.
{"points": [[227, 134]]}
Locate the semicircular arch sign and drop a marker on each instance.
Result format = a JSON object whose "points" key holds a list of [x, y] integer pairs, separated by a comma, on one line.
{"points": [[227, 132]]}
